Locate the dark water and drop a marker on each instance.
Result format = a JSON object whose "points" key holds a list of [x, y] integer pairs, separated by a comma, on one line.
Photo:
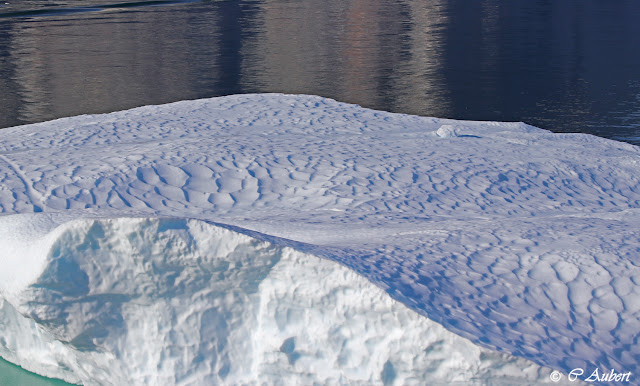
{"points": [[568, 65]]}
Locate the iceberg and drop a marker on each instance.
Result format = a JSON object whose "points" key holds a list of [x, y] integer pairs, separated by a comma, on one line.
{"points": [[283, 239]]}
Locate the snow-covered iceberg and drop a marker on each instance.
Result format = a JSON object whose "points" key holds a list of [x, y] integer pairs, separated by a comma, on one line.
{"points": [[278, 238]]}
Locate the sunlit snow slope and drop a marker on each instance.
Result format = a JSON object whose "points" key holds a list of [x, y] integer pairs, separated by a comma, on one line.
{"points": [[198, 241]]}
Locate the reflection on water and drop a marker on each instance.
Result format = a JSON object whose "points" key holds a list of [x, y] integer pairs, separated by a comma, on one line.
{"points": [[567, 66], [383, 55], [105, 61]]}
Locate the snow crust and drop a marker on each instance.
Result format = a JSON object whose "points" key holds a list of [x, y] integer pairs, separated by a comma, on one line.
{"points": [[518, 239]]}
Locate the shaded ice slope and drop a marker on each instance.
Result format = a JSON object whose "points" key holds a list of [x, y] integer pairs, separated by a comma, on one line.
{"points": [[176, 301], [514, 237]]}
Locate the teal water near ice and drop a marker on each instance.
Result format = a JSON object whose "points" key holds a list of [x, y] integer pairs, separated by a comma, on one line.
{"points": [[12, 375]]}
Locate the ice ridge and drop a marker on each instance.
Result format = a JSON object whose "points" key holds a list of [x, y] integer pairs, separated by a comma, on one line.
{"points": [[176, 301]]}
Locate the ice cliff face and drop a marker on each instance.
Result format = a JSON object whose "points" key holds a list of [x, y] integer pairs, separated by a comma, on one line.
{"points": [[175, 301]]}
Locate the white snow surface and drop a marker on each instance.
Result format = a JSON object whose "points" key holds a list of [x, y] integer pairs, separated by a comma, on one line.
{"points": [[270, 237]]}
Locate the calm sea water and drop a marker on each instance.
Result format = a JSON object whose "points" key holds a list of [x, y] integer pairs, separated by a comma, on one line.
{"points": [[566, 65], [570, 65], [12, 375]]}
